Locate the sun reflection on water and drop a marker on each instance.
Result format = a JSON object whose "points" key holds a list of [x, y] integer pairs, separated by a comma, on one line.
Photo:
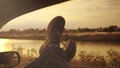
{"points": [[2, 45]]}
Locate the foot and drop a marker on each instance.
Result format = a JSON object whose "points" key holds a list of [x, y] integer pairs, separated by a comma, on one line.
{"points": [[54, 32], [70, 50]]}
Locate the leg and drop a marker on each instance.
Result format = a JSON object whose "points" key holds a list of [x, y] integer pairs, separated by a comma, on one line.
{"points": [[51, 55]]}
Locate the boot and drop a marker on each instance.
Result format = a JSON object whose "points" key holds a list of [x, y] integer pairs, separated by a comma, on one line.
{"points": [[54, 33], [70, 50]]}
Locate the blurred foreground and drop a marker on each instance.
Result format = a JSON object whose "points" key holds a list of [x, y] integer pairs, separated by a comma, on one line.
{"points": [[81, 60]]}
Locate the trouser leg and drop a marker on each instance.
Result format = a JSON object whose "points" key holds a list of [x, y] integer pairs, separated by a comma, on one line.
{"points": [[52, 57]]}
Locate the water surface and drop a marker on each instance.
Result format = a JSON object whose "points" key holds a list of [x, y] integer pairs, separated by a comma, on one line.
{"points": [[97, 47]]}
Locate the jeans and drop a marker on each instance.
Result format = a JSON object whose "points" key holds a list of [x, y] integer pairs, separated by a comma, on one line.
{"points": [[51, 57]]}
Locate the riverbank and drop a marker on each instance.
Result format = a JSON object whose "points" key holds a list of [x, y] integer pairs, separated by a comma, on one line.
{"points": [[86, 60], [94, 36], [83, 36]]}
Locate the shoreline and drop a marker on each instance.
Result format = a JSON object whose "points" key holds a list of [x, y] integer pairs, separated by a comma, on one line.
{"points": [[92, 37]]}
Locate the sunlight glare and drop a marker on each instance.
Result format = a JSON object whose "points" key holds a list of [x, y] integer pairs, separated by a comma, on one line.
{"points": [[2, 45]]}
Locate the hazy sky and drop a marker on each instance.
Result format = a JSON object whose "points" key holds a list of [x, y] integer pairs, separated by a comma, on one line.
{"points": [[77, 13]]}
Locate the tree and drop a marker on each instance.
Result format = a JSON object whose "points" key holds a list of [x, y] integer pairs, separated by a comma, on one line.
{"points": [[78, 29], [112, 29]]}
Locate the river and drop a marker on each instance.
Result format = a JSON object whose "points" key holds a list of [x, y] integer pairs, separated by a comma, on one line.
{"points": [[89, 47]]}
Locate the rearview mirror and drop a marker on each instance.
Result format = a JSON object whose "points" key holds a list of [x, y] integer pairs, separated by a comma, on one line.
{"points": [[9, 59]]}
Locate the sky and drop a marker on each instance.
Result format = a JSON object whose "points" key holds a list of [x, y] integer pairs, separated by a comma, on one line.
{"points": [[77, 13]]}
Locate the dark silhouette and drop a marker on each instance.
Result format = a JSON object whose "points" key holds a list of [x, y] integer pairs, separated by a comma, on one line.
{"points": [[112, 29], [51, 55], [10, 9]]}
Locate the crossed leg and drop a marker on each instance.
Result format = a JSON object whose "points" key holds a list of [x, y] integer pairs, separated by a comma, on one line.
{"points": [[51, 55]]}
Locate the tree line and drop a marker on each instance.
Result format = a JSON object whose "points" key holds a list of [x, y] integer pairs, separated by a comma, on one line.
{"points": [[101, 29], [37, 30]]}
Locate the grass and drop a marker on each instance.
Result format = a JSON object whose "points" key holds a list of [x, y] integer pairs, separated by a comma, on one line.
{"points": [[92, 60], [84, 60]]}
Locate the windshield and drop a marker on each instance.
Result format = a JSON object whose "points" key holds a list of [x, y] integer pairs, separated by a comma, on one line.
{"points": [[94, 25]]}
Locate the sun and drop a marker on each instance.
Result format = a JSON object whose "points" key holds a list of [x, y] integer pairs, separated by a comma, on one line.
{"points": [[2, 45]]}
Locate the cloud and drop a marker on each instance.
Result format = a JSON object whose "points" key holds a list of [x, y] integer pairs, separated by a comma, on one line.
{"points": [[113, 2], [94, 5]]}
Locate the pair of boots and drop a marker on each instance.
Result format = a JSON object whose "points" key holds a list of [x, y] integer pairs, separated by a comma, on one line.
{"points": [[54, 34], [51, 55]]}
